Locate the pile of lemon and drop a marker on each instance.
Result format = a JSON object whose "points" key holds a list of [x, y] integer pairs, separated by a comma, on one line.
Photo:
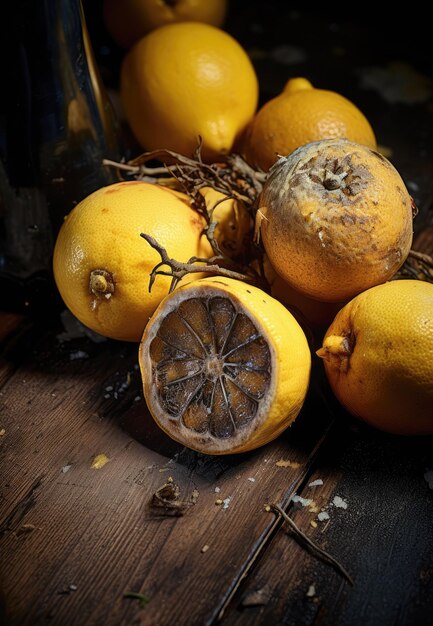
{"points": [[226, 366]]}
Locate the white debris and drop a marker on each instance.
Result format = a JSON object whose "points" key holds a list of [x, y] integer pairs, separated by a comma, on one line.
{"points": [[106, 396], [109, 388], [300, 500], [251, 479], [311, 591], [217, 489], [339, 502], [316, 483], [66, 468], [126, 383], [322, 516], [226, 503], [78, 354], [429, 477], [137, 398]]}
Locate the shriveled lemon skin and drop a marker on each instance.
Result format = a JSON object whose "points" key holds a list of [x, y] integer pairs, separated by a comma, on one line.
{"points": [[103, 233], [291, 363], [386, 379], [336, 219], [188, 80]]}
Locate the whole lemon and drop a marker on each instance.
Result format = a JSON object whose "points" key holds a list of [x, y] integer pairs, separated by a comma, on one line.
{"points": [[130, 20], [299, 115], [188, 80], [378, 355], [102, 265], [335, 218], [225, 367]]}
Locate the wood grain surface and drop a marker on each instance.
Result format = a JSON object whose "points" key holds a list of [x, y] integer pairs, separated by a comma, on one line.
{"points": [[81, 459]]}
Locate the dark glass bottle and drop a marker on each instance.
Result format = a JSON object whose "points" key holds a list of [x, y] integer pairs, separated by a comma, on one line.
{"points": [[56, 126]]}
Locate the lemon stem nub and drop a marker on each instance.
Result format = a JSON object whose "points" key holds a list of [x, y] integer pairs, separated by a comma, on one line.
{"points": [[336, 349], [101, 283]]}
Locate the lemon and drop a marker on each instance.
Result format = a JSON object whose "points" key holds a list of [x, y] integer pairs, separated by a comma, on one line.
{"points": [[225, 367], [335, 218], [102, 265], [299, 115], [232, 221], [188, 80], [378, 356], [130, 20]]}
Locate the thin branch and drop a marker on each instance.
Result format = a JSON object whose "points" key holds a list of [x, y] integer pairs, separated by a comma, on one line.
{"points": [[421, 256], [179, 269], [319, 552], [418, 266]]}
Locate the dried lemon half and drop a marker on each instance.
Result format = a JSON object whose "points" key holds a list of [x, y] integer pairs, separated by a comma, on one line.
{"points": [[225, 366]]}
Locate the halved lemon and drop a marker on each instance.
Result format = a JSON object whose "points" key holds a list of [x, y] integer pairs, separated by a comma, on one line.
{"points": [[225, 367]]}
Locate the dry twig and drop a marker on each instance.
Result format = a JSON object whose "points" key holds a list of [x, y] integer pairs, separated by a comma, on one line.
{"points": [[178, 269], [316, 551]]}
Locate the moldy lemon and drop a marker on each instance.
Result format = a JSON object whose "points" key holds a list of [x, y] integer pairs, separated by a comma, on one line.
{"points": [[335, 218], [225, 367]]}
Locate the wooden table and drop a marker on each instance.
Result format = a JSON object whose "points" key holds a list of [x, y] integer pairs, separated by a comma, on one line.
{"points": [[81, 459]]}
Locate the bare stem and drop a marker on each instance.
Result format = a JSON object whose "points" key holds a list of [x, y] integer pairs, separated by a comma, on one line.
{"points": [[179, 269], [418, 266], [319, 552], [233, 176], [420, 256]]}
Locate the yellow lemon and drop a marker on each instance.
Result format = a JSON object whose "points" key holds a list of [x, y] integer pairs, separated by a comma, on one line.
{"points": [[335, 218], [225, 367], [315, 313], [188, 80], [299, 115], [102, 265], [129, 20], [233, 222], [378, 356]]}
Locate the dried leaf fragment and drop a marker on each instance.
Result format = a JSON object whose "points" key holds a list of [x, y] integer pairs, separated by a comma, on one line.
{"points": [[25, 529], [283, 463], [167, 499], [258, 597], [134, 595]]}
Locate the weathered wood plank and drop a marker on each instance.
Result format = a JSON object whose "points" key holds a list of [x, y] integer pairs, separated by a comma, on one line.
{"points": [[384, 538], [64, 523]]}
